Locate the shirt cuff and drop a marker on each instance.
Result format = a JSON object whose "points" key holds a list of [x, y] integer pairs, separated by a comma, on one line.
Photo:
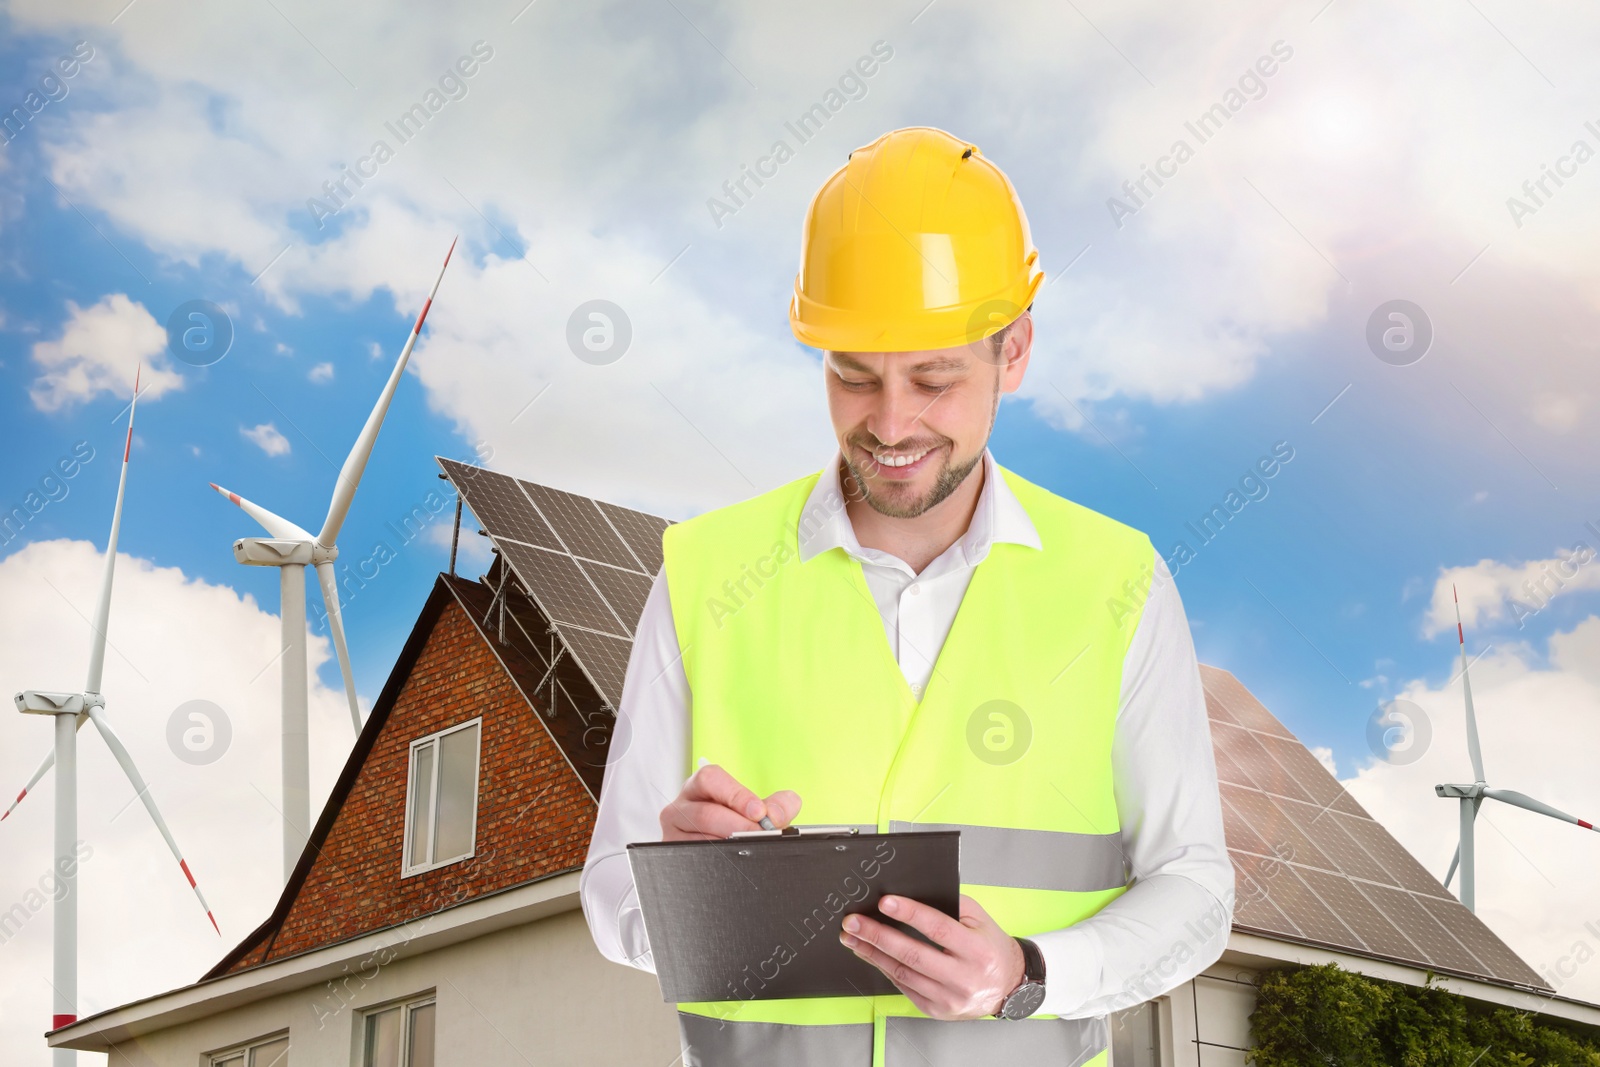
{"points": [[1072, 968]]}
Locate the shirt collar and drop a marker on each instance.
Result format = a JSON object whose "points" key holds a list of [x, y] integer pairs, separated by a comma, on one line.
{"points": [[999, 516]]}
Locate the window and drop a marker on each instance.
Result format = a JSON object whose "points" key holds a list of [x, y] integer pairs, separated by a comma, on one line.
{"points": [[1136, 1036], [442, 798], [400, 1035], [272, 1052]]}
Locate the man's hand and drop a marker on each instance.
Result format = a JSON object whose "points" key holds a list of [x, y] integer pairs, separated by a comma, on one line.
{"points": [[979, 965], [713, 805]]}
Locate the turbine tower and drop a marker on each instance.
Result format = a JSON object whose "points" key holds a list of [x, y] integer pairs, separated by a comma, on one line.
{"points": [[70, 711], [1472, 795], [291, 549]]}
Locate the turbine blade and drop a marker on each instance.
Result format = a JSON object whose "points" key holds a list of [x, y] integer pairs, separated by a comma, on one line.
{"points": [[330, 597], [1466, 687], [48, 762], [1451, 873], [44, 765], [344, 490], [102, 610], [1522, 800], [140, 787], [274, 524]]}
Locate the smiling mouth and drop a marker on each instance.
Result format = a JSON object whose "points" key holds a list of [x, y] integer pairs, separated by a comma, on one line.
{"points": [[886, 458]]}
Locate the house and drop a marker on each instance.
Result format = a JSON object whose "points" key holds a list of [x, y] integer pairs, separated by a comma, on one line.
{"points": [[434, 918]]}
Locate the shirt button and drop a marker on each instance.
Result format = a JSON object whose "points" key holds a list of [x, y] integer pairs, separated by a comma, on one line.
{"points": [[915, 589]]}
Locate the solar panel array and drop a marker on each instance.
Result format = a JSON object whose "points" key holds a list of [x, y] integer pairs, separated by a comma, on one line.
{"points": [[588, 565], [1311, 865]]}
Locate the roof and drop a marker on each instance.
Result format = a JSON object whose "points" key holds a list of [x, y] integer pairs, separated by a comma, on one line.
{"points": [[535, 752], [1311, 866]]}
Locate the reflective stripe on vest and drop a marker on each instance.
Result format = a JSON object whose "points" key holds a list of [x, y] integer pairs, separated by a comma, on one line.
{"points": [[795, 686], [1034, 859], [708, 1042], [1028, 859]]}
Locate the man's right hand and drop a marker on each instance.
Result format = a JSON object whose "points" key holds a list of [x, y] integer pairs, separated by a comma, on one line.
{"points": [[713, 805]]}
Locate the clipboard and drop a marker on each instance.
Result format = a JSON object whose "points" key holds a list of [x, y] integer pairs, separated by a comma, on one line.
{"points": [[757, 916]]}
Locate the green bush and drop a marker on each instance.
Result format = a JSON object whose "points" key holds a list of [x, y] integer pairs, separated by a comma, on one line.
{"points": [[1325, 1016]]}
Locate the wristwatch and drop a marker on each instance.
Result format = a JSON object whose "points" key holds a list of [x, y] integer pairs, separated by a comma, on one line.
{"points": [[1024, 1000]]}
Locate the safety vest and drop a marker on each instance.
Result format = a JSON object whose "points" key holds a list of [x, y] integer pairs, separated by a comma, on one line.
{"points": [[794, 686]]}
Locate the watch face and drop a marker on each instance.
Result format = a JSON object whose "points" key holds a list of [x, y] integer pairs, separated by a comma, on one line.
{"points": [[1024, 1001]]}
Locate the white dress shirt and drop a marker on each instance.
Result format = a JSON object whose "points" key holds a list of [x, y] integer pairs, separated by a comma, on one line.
{"points": [[1173, 920]]}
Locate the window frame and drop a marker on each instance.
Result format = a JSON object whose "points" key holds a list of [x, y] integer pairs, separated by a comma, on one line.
{"points": [[407, 869], [407, 1005], [244, 1048]]}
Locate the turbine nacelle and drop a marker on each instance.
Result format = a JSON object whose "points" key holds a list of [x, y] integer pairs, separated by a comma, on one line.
{"points": [[279, 552], [38, 702], [1469, 791]]}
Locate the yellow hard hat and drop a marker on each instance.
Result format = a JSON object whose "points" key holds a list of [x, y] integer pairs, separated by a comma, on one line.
{"points": [[917, 242]]}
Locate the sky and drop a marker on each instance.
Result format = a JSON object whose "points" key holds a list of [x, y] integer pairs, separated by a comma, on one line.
{"points": [[1436, 162]]}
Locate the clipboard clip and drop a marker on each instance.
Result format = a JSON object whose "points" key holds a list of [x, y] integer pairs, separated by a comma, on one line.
{"points": [[796, 831]]}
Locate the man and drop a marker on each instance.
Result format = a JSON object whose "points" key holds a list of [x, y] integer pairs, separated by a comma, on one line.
{"points": [[1037, 691]]}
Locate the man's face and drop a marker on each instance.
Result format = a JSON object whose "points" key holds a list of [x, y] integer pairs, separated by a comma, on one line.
{"points": [[912, 425]]}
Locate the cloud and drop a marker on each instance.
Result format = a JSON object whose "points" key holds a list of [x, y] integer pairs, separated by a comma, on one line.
{"points": [[1492, 591], [1539, 727], [1313, 203], [172, 639], [267, 438], [322, 372], [99, 350]]}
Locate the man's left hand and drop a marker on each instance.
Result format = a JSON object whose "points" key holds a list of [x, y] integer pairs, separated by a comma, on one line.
{"points": [[966, 973]]}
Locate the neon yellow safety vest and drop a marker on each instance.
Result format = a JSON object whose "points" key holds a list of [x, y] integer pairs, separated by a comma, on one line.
{"points": [[794, 686]]}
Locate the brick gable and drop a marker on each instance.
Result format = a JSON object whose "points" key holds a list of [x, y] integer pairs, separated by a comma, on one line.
{"points": [[535, 810]]}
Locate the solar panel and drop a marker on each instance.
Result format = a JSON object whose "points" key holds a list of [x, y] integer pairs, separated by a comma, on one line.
{"points": [[625, 591], [500, 505], [1358, 913], [582, 528], [562, 589], [642, 533], [1424, 930], [1479, 940], [604, 658], [1310, 864], [587, 564], [1264, 772]]}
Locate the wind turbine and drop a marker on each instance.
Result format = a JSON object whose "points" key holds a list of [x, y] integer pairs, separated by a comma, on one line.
{"points": [[291, 549], [1472, 795], [70, 711]]}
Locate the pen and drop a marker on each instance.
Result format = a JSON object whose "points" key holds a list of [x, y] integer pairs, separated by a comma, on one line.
{"points": [[766, 823]]}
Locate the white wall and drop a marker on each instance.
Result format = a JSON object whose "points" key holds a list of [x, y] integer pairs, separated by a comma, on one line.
{"points": [[532, 994]]}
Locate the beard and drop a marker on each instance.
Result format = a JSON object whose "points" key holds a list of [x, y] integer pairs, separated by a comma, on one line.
{"points": [[897, 504]]}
